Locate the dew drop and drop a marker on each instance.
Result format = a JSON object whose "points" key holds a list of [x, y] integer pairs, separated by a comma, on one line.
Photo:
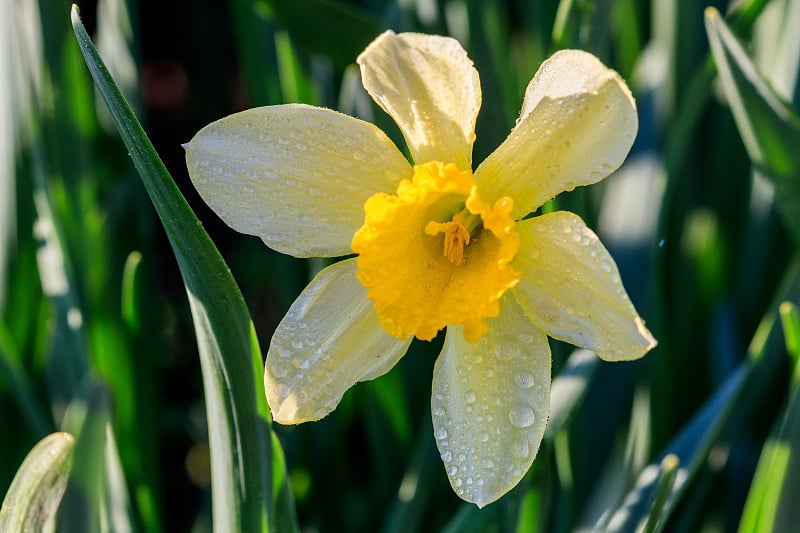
{"points": [[469, 397], [452, 470], [521, 416], [301, 363], [520, 448], [506, 350], [297, 345], [439, 411], [441, 433], [282, 389], [524, 380], [569, 186], [447, 456], [458, 482], [483, 437], [606, 266]]}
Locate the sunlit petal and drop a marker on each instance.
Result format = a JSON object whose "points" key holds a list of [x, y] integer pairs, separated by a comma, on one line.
{"points": [[297, 176], [430, 88], [571, 287], [328, 341], [577, 124], [490, 404]]}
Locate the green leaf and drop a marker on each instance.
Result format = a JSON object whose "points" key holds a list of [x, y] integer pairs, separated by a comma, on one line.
{"points": [[772, 501], [770, 128], [32, 500], [238, 417]]}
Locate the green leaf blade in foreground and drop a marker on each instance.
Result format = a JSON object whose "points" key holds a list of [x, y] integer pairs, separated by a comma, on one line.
{"points": [[32, 500], [238, 416], [769, 127], [772, 501]]}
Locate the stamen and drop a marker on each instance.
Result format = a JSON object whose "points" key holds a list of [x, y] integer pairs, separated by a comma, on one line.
{"points": [[456, 235]]}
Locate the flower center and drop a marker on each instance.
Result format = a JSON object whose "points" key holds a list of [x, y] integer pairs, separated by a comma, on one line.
{"points": [[456, 233], [436, 254]]}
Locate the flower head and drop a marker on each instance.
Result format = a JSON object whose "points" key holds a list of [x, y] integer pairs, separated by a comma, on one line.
{"points": [[439, 246]]}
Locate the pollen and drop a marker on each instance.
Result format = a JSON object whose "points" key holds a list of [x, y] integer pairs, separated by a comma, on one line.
{"points": [[456, 236], [436, 253]]}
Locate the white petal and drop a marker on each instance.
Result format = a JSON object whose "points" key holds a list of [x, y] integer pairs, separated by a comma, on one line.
{"points": [[328, 341], [428, 85], [297, 176], [490, 404], [571, 287], [577, 125]]}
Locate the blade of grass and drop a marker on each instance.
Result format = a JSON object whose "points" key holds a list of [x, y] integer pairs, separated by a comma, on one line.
{"points": [[769, 128], [772, 501], [238, 417], [34, 496], [97, 495]]}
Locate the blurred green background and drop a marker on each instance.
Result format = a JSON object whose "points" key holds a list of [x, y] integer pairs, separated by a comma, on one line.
{"points": [[702, 224]]}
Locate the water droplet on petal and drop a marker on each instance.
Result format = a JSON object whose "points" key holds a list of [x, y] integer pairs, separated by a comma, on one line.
{"points": [[441, 433], [469, 397], [524, 380], [520, 448], [521, 416], [282, 389], [506, 350]]}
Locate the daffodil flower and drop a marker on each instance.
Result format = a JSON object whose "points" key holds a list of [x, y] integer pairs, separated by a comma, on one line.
{"points": [[438, 245]]}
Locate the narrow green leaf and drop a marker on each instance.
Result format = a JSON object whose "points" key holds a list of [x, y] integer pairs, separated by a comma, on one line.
{"points": [[97, 493], [668, 469], [130, 291], [238, 417], [691, 445], [772, 501], [790, 320], [769, 127], [32, 500]]}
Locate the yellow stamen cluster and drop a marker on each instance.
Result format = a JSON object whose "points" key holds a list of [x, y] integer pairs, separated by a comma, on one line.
{"points": [[421, 281], [456, 236]]}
